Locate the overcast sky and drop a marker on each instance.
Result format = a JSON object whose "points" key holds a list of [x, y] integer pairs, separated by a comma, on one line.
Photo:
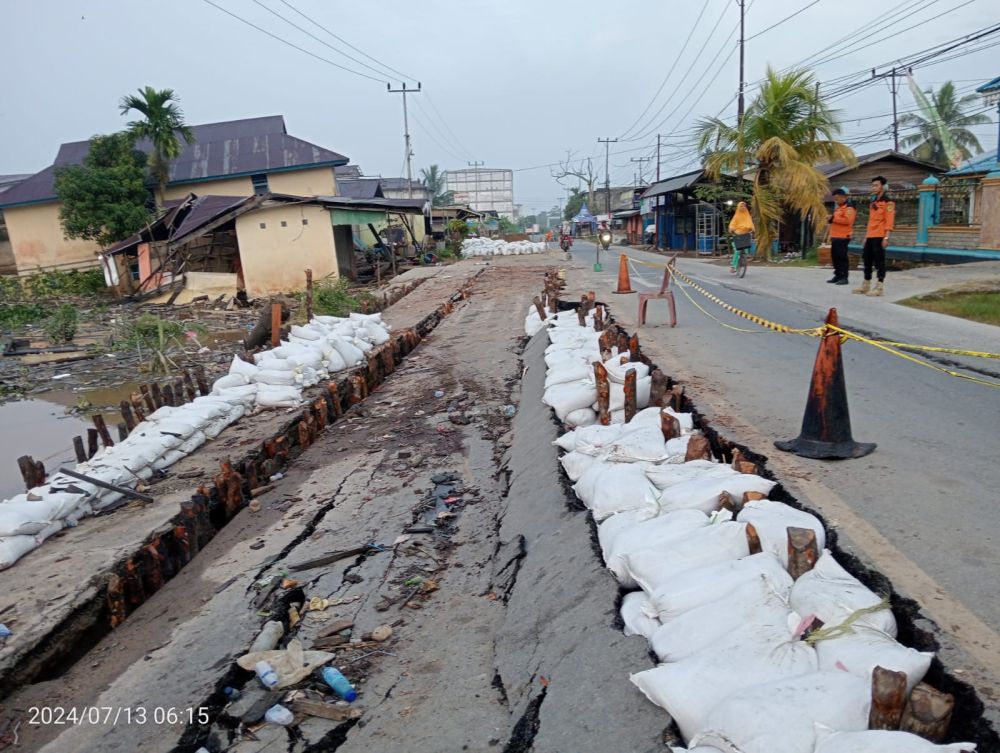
{"points": [[516, 83]]}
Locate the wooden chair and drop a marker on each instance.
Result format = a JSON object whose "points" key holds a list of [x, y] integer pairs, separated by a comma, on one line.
{"points": [[664, 292]]}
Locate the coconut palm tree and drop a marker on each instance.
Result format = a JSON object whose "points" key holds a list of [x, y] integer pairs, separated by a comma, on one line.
{"points": [[163, 124], [435, 179], [943, 136], [787, 131]]}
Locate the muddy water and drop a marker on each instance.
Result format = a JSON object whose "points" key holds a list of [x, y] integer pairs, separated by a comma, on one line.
{"points": [[38, 428]]}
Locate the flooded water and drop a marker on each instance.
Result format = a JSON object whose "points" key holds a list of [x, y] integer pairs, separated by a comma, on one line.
{"points": [[38, 428]]}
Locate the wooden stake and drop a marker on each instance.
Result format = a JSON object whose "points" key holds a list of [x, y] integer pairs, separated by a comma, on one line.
{"points": [[81, 454], [32, 472], [539, 308], [928, 713], [189, 386], [102, 429], [148, 397], [888, 699], [631, 398], [179, 391], [157, 394], [803, 551], [603, 394], [91, 442], [581, 315], [309, 295], [599, 319], [753, 539], [275, 324], [126, 409], [699, 448], [168, 396], [140, 414], [122, 431], [622, 342], [657, 387], [670, 427], [741, 465], [199, 373], [677, 398], [635, 355]]}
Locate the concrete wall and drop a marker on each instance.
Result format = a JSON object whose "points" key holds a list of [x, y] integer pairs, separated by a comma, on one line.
{"points": [[944, 236], [224, 187], [319, 181], [37, 240], [274, 257]]}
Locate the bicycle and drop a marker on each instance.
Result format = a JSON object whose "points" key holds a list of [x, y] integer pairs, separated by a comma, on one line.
{"points": [[740, 256]]}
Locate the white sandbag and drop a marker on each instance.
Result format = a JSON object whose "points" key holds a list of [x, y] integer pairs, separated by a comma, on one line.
{"points": [[642, 443], [283, 352], [57, 504], [705, 494], [192, 443], [312, 358], [12, 548], [532, 323], [274, 377], [696, 749], [361, 344], [168, 459], [334, 362], [377, 334], [656, 535], [772, 521], [180, 425], [707, 584], [617, 394], [566, 398], [613, 487], [207, 407], [305, 333], [230, 380], [19, 518], [616, 370], [355, 316], [677, 449], [863, 649], [590, 440], [636, 621], [881, 741], [780, 716], [666, 476], [833, 595], [692, 688], [351, 354], [646, 417], [754, 612], [581, 417], [568, 373], [686, 420], [239, 366], [278, 396], [576, 463], [611, 527], [244, 394], [307, 377], [654, 567]]}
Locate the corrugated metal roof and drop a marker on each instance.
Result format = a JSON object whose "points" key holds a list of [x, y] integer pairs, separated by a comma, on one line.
{"points": [[348, 171], [831, 169], [989, 86], [235, 147], [984, 163], [671, 185], [360, 188]]}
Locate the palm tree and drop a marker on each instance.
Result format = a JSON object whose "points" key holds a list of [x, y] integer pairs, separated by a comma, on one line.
{"points": [[787, 131], [162, 124], [435, 179], [943, 135]]}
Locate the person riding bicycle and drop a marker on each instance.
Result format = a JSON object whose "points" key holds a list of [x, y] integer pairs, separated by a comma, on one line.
{"points": [[742, 229]]}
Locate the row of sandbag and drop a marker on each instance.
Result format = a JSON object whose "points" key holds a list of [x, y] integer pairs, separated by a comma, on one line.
{"points": [[311, 353], [736, 674], [497, 247]]}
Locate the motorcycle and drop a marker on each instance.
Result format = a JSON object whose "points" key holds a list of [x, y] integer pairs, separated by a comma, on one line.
{"points": [[566, 243], [605, 239]]}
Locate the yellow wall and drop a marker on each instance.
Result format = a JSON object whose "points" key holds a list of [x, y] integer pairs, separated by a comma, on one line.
{"points": [[37, 239], [416, 224], [274, 258], [224, 187], [316, 182]]}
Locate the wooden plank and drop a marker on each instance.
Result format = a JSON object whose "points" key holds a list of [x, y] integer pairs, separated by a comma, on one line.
{"points": [[125, 491]]}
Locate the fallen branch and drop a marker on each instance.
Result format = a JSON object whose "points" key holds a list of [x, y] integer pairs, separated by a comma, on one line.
{"points": [[124, 491]]}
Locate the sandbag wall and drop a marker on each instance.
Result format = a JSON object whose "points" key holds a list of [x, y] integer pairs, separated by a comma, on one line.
{"points": [[766, 643], [491, 247]]}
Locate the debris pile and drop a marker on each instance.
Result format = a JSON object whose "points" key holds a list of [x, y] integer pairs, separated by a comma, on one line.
{"points": [[276, 379], [767, 644], [490, 247]]}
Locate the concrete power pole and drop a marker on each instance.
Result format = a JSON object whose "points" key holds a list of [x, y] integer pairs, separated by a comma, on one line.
{"points": [[893, 75], [739, 106], [406, 134], [607, 175], [640, 160]]}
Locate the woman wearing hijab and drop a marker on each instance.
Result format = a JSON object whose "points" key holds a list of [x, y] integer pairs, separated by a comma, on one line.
{"points": [[742, 229]]}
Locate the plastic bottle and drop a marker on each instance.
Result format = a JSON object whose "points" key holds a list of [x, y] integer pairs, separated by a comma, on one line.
{"points": [[278, 714], [231, 693], [266, 674], [268, 637], [340, 684]]}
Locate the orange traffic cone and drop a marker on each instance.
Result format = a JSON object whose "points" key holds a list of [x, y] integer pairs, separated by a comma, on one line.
{"points": [[826, 425], [624, 285]]}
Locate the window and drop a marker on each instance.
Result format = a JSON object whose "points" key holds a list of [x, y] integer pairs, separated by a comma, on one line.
{"points": [[305, 221], [263, 226], [259, 184], [284, 224]]}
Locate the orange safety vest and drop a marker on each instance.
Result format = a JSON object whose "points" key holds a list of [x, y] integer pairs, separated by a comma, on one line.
{"points": [[843, 221], [881, 217]]}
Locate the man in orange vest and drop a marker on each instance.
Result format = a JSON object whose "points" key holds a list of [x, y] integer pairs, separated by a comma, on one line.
{"points": [[841, 228], [881, 221]]}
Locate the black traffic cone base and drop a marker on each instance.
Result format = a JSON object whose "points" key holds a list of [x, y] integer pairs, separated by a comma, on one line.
{"points": [[814, 448]]}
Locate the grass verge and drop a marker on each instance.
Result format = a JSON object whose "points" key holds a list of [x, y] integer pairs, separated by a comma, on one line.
{"points": [[976, 305]]}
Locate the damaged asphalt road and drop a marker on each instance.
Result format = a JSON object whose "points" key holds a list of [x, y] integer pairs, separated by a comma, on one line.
{"points": [[503, 623]]}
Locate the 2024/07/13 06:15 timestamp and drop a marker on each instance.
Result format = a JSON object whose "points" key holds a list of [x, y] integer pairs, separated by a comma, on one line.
{"points": [[114, 715]]}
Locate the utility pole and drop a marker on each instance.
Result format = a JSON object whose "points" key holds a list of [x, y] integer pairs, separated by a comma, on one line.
{"points": [[607, 191], [656, 211], [640, 160], [739, 105], [406, 133], [893, 77]]}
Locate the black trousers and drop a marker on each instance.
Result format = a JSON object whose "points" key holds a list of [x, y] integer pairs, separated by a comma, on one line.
{"points": [[874, 256], [838, 251]]}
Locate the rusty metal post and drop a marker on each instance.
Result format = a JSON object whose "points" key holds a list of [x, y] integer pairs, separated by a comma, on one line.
{"points": [[599, 319], [102, 429], [630, 395], [81, 454], [669, 425], [275, 324], [803, 551], [657, 388], [309, 295], [603, 394], [888, 699]]}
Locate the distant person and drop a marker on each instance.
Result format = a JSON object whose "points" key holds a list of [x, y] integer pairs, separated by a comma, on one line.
{"points": [[881, 221], [841, 229], [742, 229]]}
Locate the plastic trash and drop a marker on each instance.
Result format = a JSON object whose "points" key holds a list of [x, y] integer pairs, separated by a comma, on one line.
{"points": [[5, 632], [340, 684], [266, 674], [268, 637], [278, 714], [231, 694], [509, 411], [438, 393]]}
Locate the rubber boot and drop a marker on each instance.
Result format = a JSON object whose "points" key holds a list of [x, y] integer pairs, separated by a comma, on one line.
{"points": [[878, 290], [865, 287]]}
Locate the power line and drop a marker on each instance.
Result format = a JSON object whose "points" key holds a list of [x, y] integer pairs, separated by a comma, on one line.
{"points": [[444, 122], [430, 135], [786, 18], [293, 45]]}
